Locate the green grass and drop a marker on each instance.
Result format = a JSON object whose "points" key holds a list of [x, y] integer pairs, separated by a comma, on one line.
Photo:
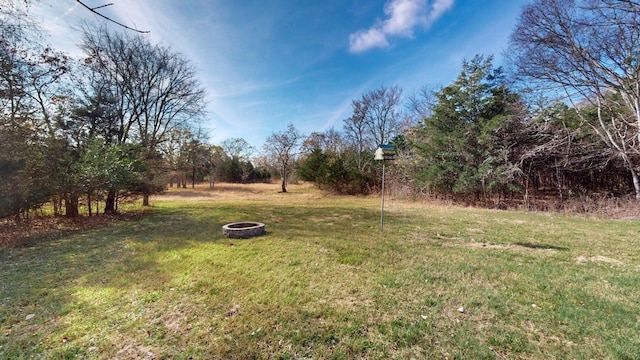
{"points": [[324, 283]]}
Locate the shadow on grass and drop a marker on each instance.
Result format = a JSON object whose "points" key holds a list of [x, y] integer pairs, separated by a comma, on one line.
{"points": [[541, 246], [106, 274]]}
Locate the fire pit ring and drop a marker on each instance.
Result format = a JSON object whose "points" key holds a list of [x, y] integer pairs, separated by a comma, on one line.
{"points": [[243, 230]]}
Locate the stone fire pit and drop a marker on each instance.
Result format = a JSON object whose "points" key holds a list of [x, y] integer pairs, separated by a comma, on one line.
{"points": [[243, 230]]}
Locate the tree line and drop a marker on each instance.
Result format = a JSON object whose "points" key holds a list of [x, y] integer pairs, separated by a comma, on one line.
{"points": [[561, 120]]}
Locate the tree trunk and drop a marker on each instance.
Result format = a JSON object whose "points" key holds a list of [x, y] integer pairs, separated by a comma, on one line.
{"points": [[110, 203], [284, 180], [559, 182], [89, 202], [629, 163], [57, 204], [527, 177], [636, 183], [71, 205], [145, 198]]}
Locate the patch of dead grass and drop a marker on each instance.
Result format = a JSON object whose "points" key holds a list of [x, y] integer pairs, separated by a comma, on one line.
{"points": [[599, 258], [132, 349], [515, 247], [236, 192]]}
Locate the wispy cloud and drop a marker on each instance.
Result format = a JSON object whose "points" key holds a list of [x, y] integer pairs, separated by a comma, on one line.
{"points": [[402, 18], [364, 40], [438, 8]]}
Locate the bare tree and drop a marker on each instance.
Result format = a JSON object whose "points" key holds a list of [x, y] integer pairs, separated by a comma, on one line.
{"points": [[375, 120], [382, 115], [334, 141], [155, 90], [14, 17], [283, 147], [211, 158], [588, 50], [329, 141], [419, 105], [237, 148], [356, 131], [30, 73]]}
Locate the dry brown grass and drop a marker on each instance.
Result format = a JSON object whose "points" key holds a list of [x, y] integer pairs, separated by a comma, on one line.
{"points": [[42, 228], [239, 192]]}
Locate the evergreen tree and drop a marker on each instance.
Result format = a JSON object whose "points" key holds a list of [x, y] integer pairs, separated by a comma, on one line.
{"points": [[466, 141], [314, 167]]}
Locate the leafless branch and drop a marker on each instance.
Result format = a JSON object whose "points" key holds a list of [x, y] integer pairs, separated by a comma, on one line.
{"points": [[93, 10]]}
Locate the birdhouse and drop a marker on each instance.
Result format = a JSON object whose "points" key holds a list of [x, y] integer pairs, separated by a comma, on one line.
{"points": [[385, 152]]}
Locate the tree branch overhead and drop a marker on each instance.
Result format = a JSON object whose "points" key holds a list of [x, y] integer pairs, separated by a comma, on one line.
{"points": [[94, 10]]}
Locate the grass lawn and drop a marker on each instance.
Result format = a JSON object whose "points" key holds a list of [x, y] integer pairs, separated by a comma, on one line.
{"points": [[440, 282]]}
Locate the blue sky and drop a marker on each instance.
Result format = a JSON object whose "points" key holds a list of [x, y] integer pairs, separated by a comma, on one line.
{"points": [[267, 63]]}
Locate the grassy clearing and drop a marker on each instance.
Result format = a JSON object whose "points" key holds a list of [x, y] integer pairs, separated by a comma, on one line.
{"points": [[324, 283]]}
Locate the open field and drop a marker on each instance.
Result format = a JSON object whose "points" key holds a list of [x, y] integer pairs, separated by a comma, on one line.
{"points": [[440, 282]]}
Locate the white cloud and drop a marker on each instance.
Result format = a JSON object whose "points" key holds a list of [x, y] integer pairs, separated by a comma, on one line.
{"points": [[402, 18], [438, 8], [367, 39]]}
